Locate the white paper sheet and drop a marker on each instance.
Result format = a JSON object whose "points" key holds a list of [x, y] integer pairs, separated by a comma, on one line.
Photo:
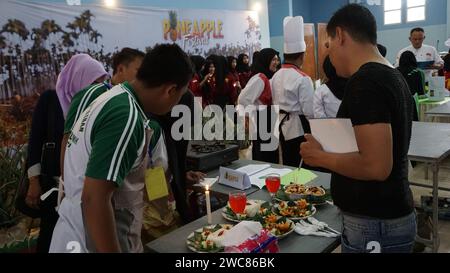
{"points": [[251, 169], [335, 135]]}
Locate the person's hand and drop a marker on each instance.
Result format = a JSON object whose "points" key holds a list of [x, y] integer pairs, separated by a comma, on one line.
{"points": [[194, 177], [311, 151], [34, 193]]}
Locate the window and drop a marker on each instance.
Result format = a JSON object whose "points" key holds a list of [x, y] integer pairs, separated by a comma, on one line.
{"points": [[393, 11], [416, 10]]}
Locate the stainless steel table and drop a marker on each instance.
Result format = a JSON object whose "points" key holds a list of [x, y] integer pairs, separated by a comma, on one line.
{"points": [[430, 144], [439, 114], [175, 242]]}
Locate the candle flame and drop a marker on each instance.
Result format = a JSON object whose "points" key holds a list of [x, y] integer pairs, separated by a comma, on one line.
{"points": [[207, 187]]}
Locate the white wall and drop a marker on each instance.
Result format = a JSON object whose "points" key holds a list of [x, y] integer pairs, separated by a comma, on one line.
{"points": [[395, 40], [263, 20]]}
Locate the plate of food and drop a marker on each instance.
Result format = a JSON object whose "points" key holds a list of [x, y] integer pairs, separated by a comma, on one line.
{"points": [[208, 239], [279, 226], [252, 208], [296, 192], [295, 210], [316, 195]]}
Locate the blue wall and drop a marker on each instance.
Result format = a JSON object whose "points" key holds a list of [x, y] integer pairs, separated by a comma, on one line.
{"points": [[436, 14], [322, 10], [394, 37], [278, 9], [303, 8]]}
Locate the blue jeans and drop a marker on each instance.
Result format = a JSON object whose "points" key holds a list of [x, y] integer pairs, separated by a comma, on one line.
{"points": [[370, 235]]}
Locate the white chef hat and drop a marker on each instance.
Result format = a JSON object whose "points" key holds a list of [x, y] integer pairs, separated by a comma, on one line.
{"points": [[294, 35]]}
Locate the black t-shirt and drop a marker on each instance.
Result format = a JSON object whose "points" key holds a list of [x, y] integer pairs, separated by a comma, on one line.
{"points": [[377, 93]]}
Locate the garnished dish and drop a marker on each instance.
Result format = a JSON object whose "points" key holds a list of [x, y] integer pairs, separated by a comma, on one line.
{"points": [[315, 195], [208, 239], [295, 210], [279, 226]]}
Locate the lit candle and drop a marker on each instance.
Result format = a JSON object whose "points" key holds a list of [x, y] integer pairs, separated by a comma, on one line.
{"points": [[208, 205]]}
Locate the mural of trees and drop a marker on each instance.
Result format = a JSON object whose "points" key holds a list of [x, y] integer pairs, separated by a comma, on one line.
{"points": [[27, 71], [31, 58]]}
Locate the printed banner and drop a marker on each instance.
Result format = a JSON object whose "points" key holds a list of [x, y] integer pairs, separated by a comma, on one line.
{"points": [[36, 39]]}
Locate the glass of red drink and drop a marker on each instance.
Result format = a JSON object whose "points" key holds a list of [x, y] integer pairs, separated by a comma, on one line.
{"points": [[273, 182], [238, 200]]}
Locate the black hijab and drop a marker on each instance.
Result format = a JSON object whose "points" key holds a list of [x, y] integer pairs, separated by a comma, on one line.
{"points": [[198, 61], [241, 67], [262, 60], [335, 83], [407, 63]]}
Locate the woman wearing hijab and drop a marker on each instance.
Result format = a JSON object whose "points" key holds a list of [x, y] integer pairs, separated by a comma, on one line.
{"points": [[208, 83], [218, 88], [328, 97], [47, 131], [413, 76], [194, 85], [243, 69], [233, 74], [258, 92], [81, 70]]}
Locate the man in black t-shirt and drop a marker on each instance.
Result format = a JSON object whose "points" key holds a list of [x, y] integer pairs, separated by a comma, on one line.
{"points": [[371, 186]]}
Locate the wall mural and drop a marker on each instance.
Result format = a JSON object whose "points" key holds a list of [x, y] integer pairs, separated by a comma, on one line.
{"points": [[34, 47]]}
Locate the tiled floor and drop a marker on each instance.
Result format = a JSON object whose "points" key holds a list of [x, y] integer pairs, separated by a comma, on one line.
{"points": [[417, 175]]}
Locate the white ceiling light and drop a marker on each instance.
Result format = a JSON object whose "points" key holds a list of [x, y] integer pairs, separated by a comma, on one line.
{"points": [[110, 3], [257, 7]]}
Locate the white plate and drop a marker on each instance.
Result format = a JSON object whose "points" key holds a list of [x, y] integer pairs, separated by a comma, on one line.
{"points": [[287, 233], [190, 244]]}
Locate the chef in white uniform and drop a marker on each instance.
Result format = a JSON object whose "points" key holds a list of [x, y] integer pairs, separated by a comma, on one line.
{"points": [[293, 91], [423, 53]]}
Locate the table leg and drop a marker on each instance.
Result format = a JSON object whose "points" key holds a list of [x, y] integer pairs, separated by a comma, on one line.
{"points": [[435, 167]]}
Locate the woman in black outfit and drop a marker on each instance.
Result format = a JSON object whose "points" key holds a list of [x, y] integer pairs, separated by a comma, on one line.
{"points": [[413, 76], [47, 106]]}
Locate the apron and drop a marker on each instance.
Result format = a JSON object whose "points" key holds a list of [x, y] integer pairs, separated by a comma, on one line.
{"points": [[160, 215], [290, 125], [128, 203], [70, 235]]}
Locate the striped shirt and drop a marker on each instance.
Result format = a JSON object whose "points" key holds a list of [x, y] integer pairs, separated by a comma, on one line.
{"points": [[107, 140], [81, 101]]}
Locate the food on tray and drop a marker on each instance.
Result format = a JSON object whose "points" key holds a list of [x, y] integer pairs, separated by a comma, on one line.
{"points": [[313, 194], [295, 188], [294, 209], [208, 239], [277, 225], [316, 191]]}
